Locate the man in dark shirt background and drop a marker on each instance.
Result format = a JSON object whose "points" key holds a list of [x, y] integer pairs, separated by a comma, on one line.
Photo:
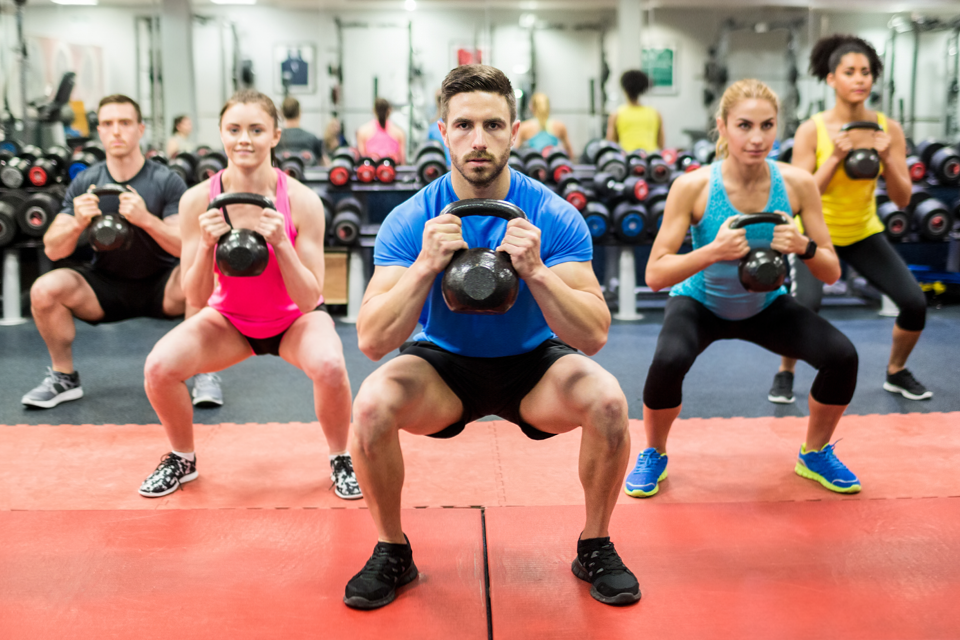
{"points": [[293, 138], [140, 279]]}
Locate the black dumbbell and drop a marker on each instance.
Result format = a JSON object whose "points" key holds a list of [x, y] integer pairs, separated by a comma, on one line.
{"points": [[110, 230], [366, 170], [211, 163], [185, 166], [941, 161], [327, 214], [431, 161], [896, 222], [38, 211], [570, 189], [916, 169], [341, 165], [202, 150], [630, 222], [687, 162], [611, 159], [597, 216], [704, 151], [633, 188], [656, 202], [558, 165], [658, 169], [589, 155], [241, 253], [14, 174], [90, 154], [47, 169], [931, 217], [479, 280], [515, 162], [9, 206], [386, 170], [533, 164], [346, 221], [159, 157], [292, 164], [10, 146], [637, 164]]}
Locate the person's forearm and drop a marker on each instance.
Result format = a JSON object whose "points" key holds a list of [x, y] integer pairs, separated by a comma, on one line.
{"points": [[825, 266], [673, 268], [61, 238], [386, 320], [167, 236], [301, 283], [198, 280], [899, 185], [579, 318], [824, 173]]}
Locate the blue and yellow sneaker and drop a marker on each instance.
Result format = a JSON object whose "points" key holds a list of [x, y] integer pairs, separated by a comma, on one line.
{"points": [[824, 467], [644, 480]]}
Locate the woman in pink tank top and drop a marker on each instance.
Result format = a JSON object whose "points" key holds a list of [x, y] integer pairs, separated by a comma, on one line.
{"points": [[279, 312], [380, 138]]}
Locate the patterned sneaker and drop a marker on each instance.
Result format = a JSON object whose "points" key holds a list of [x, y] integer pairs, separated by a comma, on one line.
{"points": [[597, 562], [644, 480], [390, 566], [170, 474], [56, 388], [206, 390], [344, 479], [824, 467], [905, 384], [782, 390]]}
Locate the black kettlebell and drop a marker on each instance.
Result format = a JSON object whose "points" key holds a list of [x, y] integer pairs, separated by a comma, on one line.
{"points": [[109, 231], [761, 270], [241, 253], [480, 280], [862, 164]]}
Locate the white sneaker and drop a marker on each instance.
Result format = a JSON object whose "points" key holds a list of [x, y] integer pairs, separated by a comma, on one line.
{"points": [[206, 390]]}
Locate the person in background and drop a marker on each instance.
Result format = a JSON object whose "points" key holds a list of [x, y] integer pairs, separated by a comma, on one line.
{"points": [[540, 132], [633, 125], [380, 138], [295, 139], [180, 142], [433, 133]]}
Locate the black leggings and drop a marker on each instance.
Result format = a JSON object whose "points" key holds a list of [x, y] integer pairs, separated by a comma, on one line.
{"points": [[785, 327], [876, 260]]}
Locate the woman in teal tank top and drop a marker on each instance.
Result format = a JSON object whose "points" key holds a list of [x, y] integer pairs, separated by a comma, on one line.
{"points": [[708, 303]]}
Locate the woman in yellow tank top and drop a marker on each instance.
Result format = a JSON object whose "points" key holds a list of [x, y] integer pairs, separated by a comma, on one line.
{"points": [[633, 125], [850, 65]]}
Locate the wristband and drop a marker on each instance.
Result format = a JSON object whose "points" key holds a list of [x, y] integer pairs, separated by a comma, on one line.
{"points": [[810, 252]]}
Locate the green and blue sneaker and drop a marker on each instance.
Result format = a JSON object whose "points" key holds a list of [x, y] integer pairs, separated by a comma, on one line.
{"points": [[644, 480], [824, 467]]}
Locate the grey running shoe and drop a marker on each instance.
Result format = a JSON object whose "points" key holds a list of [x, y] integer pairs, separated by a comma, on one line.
{"points": [[170, 474], [206, 390], [782, 390], [905, 384], [344, 479], [56, 388]]}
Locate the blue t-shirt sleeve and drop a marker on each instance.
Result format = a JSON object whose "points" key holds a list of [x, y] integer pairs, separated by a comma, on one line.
{"points": [[399, 239], [565, 235]]}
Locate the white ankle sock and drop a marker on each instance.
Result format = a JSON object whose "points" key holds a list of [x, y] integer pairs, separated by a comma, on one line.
{"points": [[192, 457]]}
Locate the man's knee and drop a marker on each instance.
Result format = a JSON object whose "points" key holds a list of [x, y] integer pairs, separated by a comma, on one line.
{"points": [[47, 291]]}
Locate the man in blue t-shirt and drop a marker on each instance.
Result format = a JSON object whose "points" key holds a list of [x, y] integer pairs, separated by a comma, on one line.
{"points": [[522, 366]]}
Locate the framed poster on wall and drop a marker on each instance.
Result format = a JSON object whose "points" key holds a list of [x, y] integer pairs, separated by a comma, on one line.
{"points": [[295, 68], [659, 62]]}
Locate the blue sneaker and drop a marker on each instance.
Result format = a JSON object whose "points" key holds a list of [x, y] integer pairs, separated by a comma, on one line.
{"points": [[644, 480], [824, 467]]}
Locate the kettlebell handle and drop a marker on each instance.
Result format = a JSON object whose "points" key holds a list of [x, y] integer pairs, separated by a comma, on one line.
{"points": [[861, 124], [225, 199], [110, 189], [746, 219], [484, 207]]}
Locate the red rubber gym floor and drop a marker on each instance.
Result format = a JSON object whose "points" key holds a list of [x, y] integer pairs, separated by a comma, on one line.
{"points": [[734, 546]]}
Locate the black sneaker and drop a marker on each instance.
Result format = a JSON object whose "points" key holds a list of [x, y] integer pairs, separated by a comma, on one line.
{"points": [[597, 562], [344, 479], [170, 474], [56, 388], [390, 566], [782, 390], [905, 384]]}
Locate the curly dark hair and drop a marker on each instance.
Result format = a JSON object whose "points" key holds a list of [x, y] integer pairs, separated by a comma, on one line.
{"points": [[634, 83], [828, 51]]}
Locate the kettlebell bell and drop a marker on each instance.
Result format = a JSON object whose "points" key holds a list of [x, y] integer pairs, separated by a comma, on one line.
{"points": [[241, 253], [862, 164], [481, 281], [109, 231], [761, 270]]}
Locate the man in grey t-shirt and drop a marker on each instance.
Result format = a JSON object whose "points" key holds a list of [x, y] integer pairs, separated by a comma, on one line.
{"points": [[295, 139]]}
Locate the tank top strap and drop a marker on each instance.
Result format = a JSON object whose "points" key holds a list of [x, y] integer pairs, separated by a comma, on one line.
{"points": [[882, 120], [717, 200]]}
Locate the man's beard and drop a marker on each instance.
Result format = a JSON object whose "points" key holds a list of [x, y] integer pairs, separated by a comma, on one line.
{"points": [[481, 178]]}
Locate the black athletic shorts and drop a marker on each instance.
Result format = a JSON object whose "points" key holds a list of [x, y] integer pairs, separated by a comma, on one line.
{"points": [[490, 386], [124, 299], [271, 346]]}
